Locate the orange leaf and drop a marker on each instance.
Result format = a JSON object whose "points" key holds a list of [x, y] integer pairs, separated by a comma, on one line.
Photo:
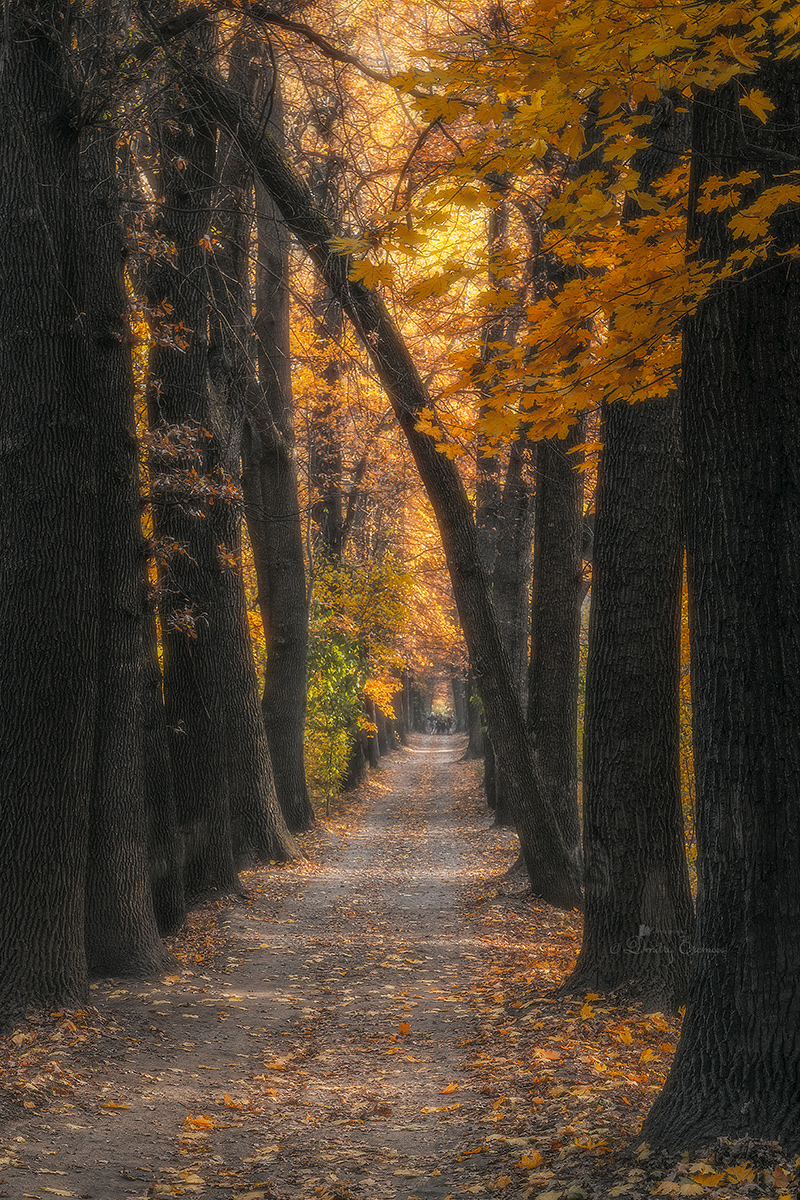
{"points": [[229, 1102], [199, 1122], [405, 1028], [451, 1087]]}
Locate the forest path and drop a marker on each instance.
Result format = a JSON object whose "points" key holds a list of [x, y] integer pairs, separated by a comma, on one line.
{"points": [[330, 1055]]}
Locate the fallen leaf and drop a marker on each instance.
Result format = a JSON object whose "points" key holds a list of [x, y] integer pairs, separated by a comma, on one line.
{"points": [[528, 1161], [113, 1104], [200, 1122], [451, 1087], [405, 1028]]}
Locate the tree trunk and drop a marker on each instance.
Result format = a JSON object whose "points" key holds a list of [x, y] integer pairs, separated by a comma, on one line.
{"points": [[258, 827], [49, 633], [196, 706], [121, 931], [638, 921], [383, 731], [737, 1064], [555, 625], [511, 576], [165, 843], [373, 745], [554, 874], [282, 579], [475, 747], [639, 911]]}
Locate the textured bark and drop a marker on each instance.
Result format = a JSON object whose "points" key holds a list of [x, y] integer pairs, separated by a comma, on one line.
{"points": [[511, 575], [258, 827], [638, 906], [555, 625], [553, 873], [637, 931], [737, 1064], [196, 706], [474, 748], [383, 732], [458, 686], [282, 583], [165, 843], [48, 604], [373, 749], [121, 932]]}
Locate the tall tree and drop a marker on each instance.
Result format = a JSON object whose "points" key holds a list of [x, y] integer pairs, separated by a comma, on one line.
{"points": [[556, 597], [554, 875], [735, 1072], [638, 915], [49, 627], [224, 788], [120, 928], [282, 583]]}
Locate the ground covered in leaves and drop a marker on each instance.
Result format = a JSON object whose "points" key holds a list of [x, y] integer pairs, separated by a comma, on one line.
{"points": [[376, 1022]]}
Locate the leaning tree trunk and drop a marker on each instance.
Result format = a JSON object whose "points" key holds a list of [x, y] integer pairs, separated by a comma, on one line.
{"points": [[553, 872], [555, 625], [737, 1064], [48, 605]]}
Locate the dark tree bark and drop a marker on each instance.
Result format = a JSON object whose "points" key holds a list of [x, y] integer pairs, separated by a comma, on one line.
{"points": [[512, 565], [258, 827], [458, 686], [553, 873], [638, 906], [737, 1064], [121, 931], [49, 632], [282, 582], [383, 731], [475, 745], [373, 745], [555, 625], [165, 843], [179, 398], [639, 914]]}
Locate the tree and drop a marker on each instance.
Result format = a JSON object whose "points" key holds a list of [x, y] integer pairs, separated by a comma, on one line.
{"points": [[225, 795], [638, 915], [49, 548], [556, 597], [274, 517], [736, 1067], [121, 934], [553, 874]]}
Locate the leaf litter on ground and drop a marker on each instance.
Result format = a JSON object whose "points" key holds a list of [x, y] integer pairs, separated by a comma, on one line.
{"points": [[338, 1087]]}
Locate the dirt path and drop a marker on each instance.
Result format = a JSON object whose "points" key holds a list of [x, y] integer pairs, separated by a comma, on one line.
{"points": [[328, 1056]]}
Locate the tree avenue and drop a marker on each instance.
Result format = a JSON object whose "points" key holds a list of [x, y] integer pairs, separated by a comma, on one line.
{"points": [[236, 260]]}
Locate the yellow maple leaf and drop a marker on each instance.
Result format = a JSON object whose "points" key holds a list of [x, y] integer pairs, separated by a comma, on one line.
{"points": [[758, 104], [741, 1173]]}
